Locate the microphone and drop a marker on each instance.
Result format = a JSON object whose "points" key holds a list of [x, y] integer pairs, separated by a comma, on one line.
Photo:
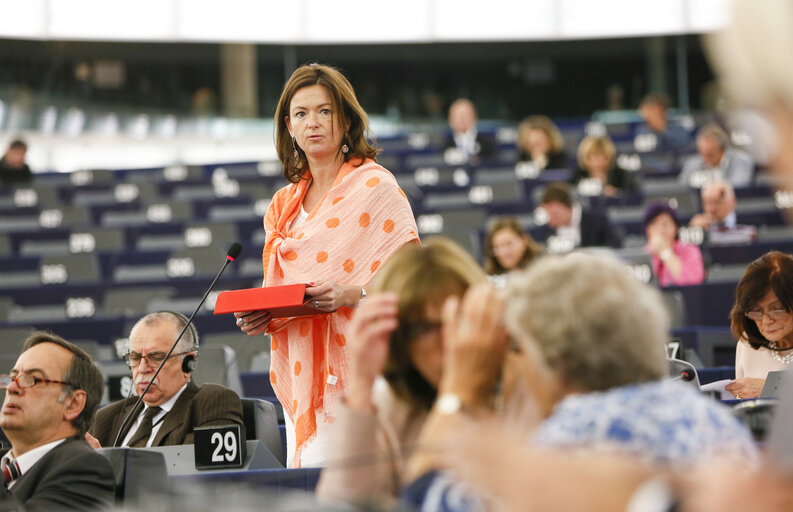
{"points": [[685, 375], [231, 255]]}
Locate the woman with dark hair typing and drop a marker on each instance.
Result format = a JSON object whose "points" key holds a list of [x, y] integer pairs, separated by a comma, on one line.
{"points": [[396, 334], [340, 218], [762, 322]]}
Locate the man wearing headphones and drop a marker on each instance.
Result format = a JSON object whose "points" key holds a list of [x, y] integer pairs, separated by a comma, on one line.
{"points": [[174, 405]]}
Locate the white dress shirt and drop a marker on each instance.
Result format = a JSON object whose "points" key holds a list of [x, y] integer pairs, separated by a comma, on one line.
{"points": [[156, 421], [28, 459]]}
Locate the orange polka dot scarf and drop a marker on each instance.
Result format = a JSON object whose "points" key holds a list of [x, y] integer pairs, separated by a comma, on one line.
{"points": [[356, 226]]}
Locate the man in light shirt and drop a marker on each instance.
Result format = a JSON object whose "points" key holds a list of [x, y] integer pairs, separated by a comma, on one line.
{"points": [[173, 405], [718, 219], [716, 160], [51, 396]]}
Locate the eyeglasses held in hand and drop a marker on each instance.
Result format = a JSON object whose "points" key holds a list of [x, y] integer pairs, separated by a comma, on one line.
{"points": [[25, 380], [132, 359]]}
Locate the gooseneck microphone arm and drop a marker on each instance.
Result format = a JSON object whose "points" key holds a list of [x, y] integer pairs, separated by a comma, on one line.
{"points": [[231, 255]]}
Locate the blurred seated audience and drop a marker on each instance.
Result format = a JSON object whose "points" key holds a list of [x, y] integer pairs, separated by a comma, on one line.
{"points": [[570, 225], [675, 263], [718, 219], [716, 160], [597, 165], [762, 322], [668, 135], [50, 398], [592, 339], [508, 247], [173, 406], [13, 168], [541, 143], [396, 363], [465, 136]]}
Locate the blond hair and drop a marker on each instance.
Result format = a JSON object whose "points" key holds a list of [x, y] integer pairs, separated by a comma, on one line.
{"points": [[421, 276], [596, 144], [544, 123]]}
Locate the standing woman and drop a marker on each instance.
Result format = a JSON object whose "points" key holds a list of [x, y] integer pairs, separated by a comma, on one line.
{"points": [[340, 218]]}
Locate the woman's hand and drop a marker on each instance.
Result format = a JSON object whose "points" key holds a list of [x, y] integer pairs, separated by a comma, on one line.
{"points": [[656, 241], [746, 388], [253, 322], [368, 340], [474, 344], [330, 296]]}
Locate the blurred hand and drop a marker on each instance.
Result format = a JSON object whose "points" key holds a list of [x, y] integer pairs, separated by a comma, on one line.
{"points": [[701, 220], [91, 440], [474, 344], [332, 295], [253, 322], [656, 241], [746, 388], [368, 340], [720, 486]]}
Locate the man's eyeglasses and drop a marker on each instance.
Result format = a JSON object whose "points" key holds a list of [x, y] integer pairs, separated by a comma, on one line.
{"points": [[132, 359], [25, 380], [774, 314]]}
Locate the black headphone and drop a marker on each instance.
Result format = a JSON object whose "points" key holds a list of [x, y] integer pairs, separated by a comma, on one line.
{"points": [[189, 362]]}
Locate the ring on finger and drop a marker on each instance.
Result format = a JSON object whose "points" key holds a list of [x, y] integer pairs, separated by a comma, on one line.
{"points": [[242, 322], [316, 303]]}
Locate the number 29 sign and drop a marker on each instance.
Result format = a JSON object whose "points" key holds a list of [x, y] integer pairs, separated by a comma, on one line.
{"points": [[219, 447]]}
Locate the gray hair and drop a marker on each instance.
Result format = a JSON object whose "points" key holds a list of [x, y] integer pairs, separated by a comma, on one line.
{"points": [[715, 132], [189, 341], [749, 54], [591, 322]]}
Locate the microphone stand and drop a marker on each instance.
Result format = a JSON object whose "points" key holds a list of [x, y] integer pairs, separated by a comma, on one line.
{"points": [[232, 254]]}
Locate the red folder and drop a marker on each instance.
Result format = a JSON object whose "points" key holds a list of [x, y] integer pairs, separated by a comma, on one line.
{"points": [[281, 301]]}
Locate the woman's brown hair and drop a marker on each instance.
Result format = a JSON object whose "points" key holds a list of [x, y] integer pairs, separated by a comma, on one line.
{"points": [[345, 106], [421, 276], [772, 271], [533, 249]]}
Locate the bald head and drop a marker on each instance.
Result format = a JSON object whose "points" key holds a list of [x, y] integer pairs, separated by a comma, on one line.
{"points": [[462, 116], [718, 199]]}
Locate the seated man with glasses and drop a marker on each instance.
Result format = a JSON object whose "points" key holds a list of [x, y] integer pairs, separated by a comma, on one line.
{"points": [[174, 405], [51, 396]]}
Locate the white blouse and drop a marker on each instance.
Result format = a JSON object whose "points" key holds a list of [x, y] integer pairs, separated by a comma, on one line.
{"points": [[755, 363]]}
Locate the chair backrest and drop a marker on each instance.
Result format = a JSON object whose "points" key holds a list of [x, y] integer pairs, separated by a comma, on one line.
{"points": [[139, 474], [218, 365], [261, 424]]}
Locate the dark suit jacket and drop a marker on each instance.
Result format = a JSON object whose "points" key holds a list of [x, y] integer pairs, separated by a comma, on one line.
{"points": [[72, 476], [196, 407], [596, 231], [486, 143]]}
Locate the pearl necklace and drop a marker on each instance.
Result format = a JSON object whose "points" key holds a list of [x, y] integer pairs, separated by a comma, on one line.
{"points": [[784, 359]]}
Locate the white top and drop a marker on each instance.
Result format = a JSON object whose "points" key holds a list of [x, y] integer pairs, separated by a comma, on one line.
{"points": [[466, 141], [156, 421], [300, 219], [572, 231], [28, 459], [755, 363]]}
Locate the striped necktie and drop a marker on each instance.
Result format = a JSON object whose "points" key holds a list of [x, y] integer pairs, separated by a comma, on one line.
{"points": [[10, 469]]}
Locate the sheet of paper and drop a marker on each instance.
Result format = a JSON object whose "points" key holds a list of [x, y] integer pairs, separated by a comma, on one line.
{"points": [[719, 386]]}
